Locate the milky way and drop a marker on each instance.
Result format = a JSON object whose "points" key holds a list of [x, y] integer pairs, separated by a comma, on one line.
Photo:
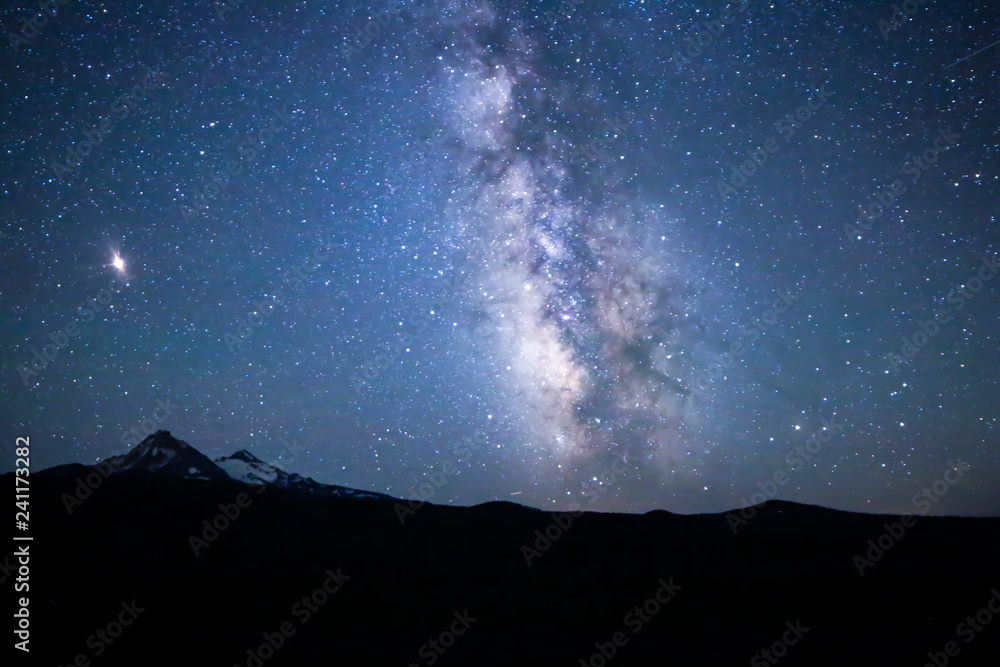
{"points": [[588, 313]]}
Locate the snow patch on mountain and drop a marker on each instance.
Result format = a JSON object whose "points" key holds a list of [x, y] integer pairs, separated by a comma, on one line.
{"points": [[252, 471]]}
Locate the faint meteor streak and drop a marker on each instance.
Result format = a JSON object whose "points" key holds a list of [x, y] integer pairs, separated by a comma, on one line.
{"points": [[972, 54]]}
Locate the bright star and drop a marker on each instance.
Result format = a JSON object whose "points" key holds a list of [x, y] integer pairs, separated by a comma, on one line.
{"points": [[119, 264]]}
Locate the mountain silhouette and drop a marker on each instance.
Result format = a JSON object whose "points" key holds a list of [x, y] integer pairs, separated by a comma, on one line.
{"points": [[163, 453], [238, 562]]}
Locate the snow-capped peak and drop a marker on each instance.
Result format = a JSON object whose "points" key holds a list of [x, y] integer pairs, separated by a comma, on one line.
{"points": [[163, 453], [247, 468]]}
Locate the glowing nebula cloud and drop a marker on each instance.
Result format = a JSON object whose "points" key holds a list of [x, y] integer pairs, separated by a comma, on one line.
{"points": [[591, 324]]}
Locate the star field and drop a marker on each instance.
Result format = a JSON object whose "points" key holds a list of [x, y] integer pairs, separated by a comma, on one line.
{"points": [[639, 254]]}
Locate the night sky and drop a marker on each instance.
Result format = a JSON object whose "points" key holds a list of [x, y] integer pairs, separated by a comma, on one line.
{"points": [[631, 255]]}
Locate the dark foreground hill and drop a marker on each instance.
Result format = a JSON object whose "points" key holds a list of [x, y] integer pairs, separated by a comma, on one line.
{"points": [[305, 579]]}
